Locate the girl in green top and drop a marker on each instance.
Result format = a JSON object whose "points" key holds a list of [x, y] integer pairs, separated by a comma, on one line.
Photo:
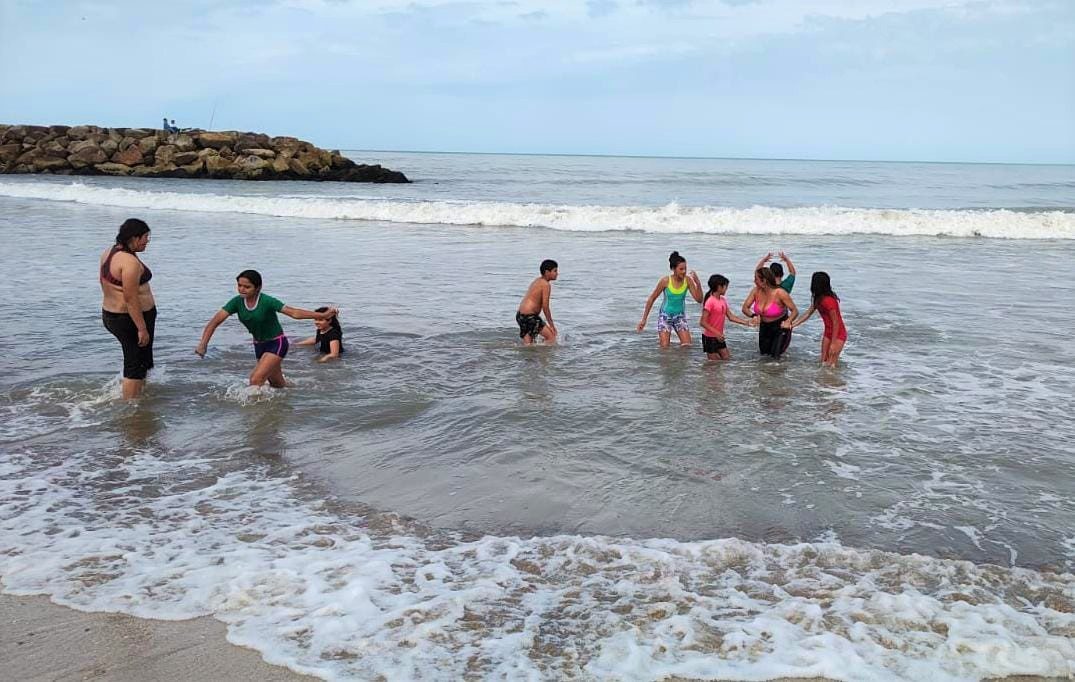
{"points": [[257, 312]]}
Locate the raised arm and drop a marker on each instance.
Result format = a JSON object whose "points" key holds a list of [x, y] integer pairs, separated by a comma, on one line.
{"points": [[214, 322], [661, 284], [695, 286], [764, 259], [787, 262]]}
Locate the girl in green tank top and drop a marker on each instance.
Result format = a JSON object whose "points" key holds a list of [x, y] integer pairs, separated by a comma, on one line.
{"points": [[672, 316]]}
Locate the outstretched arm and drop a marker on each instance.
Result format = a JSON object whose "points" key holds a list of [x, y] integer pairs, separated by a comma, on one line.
{"points": [[303, 314], [214, 322], [787, 262], [739, 320], [661, 284], [804, 318], [307, 342]]}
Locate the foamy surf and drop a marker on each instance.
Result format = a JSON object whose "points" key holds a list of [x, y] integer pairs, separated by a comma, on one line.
{"points": [[671, 218], [340, 595]]}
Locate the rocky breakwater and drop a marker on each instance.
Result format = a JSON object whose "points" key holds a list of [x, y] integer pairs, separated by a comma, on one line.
{"points": [[149, 153]]}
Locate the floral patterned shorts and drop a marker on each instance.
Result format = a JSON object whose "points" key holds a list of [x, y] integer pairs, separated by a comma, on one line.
{"points": [[672, 323]]}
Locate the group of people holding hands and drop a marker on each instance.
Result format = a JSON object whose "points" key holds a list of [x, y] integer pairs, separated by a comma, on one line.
{"points": [[768, 306], [129, 312]]}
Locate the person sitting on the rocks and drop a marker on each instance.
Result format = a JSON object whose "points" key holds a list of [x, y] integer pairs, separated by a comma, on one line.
{"points": [[167, 128]]}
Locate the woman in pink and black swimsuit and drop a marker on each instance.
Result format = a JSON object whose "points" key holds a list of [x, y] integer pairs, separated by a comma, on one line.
{"points": [[769, 302], [827, 303]]}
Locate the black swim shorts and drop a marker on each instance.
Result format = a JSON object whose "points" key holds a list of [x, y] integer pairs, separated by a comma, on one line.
{"points": [[711, 344], [529, 325], [137, 360]]}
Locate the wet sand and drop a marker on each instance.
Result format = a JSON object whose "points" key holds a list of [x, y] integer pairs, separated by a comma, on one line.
{"points": [[43, 641]]}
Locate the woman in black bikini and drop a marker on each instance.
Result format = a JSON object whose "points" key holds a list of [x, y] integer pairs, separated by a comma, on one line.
{"points": [[128, 309]]}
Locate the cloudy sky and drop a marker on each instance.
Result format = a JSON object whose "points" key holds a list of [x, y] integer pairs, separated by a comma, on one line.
{"points": [[935, 80]]}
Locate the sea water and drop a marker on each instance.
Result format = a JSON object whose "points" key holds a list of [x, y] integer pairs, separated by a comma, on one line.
{"points": [[443, 503]]}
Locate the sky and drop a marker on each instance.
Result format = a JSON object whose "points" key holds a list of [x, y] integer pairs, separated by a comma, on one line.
{"points": [[927, 80]]}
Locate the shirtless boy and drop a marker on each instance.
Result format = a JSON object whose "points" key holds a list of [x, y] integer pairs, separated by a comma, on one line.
{"points": [[536, 301]]}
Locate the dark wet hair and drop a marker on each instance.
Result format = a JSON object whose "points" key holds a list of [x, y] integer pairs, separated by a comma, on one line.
{"points": [[253, 275], [130, 229], [714, 282], [777, 269], [333, 321], [820, 287], [548, 264], [767, 276], [675, 259]]}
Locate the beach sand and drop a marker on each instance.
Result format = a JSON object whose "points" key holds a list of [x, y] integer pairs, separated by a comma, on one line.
{"points": [[42, 641]]}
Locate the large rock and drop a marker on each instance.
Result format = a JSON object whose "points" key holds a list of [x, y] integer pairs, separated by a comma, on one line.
{"points": [[262, 153], [184, 158], [13, 134], [165, 153], [252, 141], [87, 156], [161, 170], [280, 166], [183, 142], [298, 168], [131, 156], [218, 166], [215, 140], [10, 152], [194, 169], [76, 147], [149, 145], [113, 168], [44, 163]]}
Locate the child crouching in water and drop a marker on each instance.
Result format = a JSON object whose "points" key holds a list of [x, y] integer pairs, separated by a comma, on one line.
{"points": [[714, 311], [329, 337]]}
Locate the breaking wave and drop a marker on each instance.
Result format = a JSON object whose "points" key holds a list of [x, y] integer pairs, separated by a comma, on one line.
{"points": [[671, 218]]}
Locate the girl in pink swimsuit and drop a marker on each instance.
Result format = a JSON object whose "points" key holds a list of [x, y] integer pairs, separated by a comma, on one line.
{"points": [[826, 302], [714, 311]]}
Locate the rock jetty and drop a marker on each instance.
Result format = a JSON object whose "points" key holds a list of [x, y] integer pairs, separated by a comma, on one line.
{"points": [[152, 153]]}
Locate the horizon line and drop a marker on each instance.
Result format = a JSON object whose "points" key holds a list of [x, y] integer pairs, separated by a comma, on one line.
{"points": [[708, 158]]}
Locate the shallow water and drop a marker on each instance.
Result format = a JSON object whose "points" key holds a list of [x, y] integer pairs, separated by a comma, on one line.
{"points": [[444, 502]]}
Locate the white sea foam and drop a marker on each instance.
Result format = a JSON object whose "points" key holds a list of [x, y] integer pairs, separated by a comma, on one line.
{"points": [[671, 218], [346, 597]]}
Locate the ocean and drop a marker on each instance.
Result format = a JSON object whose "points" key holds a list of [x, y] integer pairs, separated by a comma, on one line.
{"points": [[444, 503]]}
